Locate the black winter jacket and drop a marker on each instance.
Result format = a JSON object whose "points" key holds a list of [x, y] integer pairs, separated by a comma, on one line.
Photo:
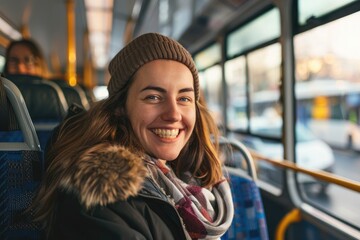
{"points": [[146, 215]]}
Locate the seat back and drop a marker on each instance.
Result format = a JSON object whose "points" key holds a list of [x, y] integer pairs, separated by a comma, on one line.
{"points": [[89, 94], [73, 94], [21, 166], [249, 221], [45, 102]]}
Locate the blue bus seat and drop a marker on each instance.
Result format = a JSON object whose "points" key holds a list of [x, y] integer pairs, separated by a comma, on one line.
{"points": [[73, 94], [21, 166], [249, 221], [45, 102]]}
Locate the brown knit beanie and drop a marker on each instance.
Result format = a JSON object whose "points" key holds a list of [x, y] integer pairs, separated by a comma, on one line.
{"points": [[144, 49]]}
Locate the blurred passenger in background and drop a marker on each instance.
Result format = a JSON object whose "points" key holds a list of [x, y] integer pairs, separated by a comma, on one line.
{"points": [[25, 57]]}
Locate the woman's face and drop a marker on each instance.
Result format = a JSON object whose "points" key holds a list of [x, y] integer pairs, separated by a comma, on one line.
{"points": [[22, 61], [161, 107]]}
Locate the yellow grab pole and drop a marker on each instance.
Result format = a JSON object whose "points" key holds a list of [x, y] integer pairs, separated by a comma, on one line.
{"points": [[25, 32], [292, 217], [71, 53], [87, 80]]}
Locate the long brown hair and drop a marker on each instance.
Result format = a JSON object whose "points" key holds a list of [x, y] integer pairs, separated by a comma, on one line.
{"points": [[107, 121]]}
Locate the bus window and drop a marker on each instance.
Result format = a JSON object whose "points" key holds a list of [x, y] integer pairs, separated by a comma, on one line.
{"points": [[235, 75], [264, 79], [328, 88], [208, 57], [314, 9], [213, 92], [254, 33], [327, 60], [265, 108], [210, 75]]}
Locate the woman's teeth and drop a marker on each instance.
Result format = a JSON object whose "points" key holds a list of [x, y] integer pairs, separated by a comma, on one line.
{"points": [[166, 133]]}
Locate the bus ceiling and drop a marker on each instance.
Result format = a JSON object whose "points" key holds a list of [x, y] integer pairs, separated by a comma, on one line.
{"points": [[100, 28]]}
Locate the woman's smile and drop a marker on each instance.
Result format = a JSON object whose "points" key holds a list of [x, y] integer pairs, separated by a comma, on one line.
{"points": [[166, 133]]}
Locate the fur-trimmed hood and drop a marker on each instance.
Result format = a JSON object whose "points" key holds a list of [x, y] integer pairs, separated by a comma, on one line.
{"points": [[105, 174]]}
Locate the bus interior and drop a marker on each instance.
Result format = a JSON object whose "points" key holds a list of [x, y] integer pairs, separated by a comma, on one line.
{"points": [[281, 78]]}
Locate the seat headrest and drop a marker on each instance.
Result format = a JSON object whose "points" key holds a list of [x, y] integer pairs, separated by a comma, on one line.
{"points": [[8, 121], [44, 99]]}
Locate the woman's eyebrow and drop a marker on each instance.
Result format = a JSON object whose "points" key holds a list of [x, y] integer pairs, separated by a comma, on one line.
{"points": [[186, 90], [159, 89]]}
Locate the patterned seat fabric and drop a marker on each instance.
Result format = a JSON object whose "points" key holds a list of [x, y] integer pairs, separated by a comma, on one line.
{"points": [[20, 174], [249, 220]]}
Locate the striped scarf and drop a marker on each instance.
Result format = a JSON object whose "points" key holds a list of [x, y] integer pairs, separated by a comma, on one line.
{"points": [[195, 204]]}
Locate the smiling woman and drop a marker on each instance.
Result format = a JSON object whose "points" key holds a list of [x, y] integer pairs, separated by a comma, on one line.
{"points": [[147, 169], [162, 112]]}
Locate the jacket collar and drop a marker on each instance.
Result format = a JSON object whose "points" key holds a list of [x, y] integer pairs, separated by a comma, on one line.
{"points": [[105, 174], [150, 189]]}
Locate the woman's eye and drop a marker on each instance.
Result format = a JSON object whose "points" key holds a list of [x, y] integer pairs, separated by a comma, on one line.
{"points": [[152, 97], [185, 99]]}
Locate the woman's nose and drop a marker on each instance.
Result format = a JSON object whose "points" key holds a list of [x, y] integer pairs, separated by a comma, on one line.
{"points": [[171, 111]]}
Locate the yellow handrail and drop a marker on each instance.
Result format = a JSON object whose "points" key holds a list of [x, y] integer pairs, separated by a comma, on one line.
{"points": [[292, 217], [325, 176]]}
